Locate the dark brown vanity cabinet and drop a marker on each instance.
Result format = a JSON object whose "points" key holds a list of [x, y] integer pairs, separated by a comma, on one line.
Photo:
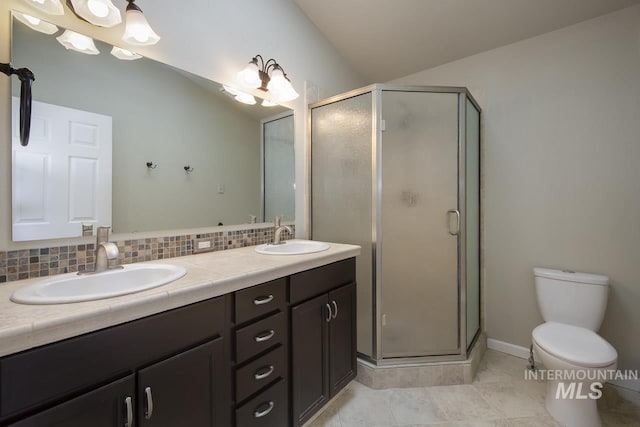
{"points": [[266, 356], [323, 336], [168, 369]]}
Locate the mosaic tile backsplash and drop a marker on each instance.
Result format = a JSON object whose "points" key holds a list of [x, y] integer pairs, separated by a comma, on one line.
{"points": [[29, 263]]}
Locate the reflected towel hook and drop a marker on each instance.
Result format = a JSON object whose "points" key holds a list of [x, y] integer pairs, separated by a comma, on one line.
{"points": [[151, 165], [188, 169], [26, 78]]}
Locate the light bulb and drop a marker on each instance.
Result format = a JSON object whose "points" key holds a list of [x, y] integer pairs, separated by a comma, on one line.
{"points": [[124, 54], [36, 23], [137, 29], [278, 82], [31, 19], [78, 42], [245, 98], [98, 8], [249, 76], [52, 7]]}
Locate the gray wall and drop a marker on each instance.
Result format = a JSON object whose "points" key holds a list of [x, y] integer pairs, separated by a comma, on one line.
{"points": [[561, 151], [161, 116]]}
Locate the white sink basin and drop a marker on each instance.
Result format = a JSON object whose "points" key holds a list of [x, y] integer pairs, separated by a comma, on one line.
{"points": [[73, 287], [293, 247]]}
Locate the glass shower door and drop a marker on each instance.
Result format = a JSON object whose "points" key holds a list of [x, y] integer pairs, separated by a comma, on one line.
{"points": [[341, 190], [419, 224]]}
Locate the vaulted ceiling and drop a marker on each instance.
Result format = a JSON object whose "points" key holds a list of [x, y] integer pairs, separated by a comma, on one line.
{"points": [[388, 39]]}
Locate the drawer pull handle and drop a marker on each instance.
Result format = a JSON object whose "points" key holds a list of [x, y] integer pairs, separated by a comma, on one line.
{"points": [[148, 412], [263, 300], [265, 336], [329, 314], [335, 313], [264, 372], [129, 409], [259, 414]]}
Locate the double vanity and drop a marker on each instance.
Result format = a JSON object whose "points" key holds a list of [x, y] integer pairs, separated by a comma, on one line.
{"points": [[242, 339]]}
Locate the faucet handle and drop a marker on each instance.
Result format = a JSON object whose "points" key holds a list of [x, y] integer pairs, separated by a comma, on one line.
{"points": [[277, 221], [103, 234]]}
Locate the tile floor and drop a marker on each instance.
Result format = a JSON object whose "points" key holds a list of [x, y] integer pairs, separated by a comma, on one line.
{"points": [[498, 397]]}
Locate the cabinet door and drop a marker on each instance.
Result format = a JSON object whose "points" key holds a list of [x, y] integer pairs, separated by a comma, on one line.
{"points": [[184, 390], [310, 357], [342, 337], [103, 407]]}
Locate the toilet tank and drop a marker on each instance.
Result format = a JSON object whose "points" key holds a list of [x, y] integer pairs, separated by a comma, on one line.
{"points": [[578, 299]]}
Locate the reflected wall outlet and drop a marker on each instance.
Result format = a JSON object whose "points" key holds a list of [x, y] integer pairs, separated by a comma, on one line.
{"points": [[203, 245]]}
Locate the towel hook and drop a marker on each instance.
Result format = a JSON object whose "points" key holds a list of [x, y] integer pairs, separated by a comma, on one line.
{"points": [[152, 165], [188, 169]]}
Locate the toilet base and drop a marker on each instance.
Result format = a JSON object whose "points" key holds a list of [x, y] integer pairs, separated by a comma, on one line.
{"points": [[572, 412]]}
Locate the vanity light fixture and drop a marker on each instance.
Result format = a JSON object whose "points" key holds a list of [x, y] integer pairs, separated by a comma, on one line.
{"points": [[124, 54], [36, 23], [137, 30], [97, 12], [52, 7], [78, 42], [269, 77]]}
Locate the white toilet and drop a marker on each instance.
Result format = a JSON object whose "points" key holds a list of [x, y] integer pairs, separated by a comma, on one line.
{"points": [[572, 305]]}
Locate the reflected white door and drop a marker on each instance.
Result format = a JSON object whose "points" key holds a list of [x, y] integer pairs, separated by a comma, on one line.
{"points": [[63, 177]]}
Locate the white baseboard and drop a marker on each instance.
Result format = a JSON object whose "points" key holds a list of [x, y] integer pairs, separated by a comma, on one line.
{"points": [[628, 384], [505, 347]]}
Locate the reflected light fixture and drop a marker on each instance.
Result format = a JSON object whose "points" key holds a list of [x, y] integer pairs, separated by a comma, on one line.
{"points": [[267, 103], [238, 95], [137, 30], [256, 76], [36, 23], [52, 7], [78, 42], [124, 54], [97, 12]]}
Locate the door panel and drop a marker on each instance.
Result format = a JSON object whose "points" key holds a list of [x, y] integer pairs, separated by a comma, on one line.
{"points": [[310, 357], [419, 256], [342, 337], [181, 390]]}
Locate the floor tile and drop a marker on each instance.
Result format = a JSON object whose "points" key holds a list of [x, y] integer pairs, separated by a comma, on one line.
{"points": [[462, 402], [413, 406], [498, 397]]}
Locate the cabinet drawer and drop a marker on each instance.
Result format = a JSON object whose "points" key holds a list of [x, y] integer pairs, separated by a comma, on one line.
{"points": [[258, 300], [260, 336], [311, 283], [260, 372], [268, 409]]}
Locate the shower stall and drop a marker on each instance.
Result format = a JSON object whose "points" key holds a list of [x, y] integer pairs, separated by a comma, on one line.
{"points": [[396, 170]]}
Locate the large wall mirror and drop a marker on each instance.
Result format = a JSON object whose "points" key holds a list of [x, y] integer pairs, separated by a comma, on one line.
{"points": [[141, 146]]}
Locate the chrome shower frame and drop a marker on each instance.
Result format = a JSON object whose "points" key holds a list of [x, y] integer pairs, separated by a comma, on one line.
{"points": [[462, 352]]}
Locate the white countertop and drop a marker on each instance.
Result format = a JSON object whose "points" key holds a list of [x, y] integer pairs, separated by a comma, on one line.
{"points": [[208, 275]]}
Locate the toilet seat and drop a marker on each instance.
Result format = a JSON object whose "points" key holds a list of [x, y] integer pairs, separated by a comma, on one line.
{"points": [[575, 345]]}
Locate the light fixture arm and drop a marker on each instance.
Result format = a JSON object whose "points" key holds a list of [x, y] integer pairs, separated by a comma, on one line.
{"points": [[26, 78], [264, 68]]}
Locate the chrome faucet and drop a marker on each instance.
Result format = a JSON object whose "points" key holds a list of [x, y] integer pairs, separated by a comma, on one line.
{"points": [[278, 231], [105, 251]]}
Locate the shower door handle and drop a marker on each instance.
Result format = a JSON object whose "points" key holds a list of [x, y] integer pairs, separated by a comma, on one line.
{"points": [[457, 214]]}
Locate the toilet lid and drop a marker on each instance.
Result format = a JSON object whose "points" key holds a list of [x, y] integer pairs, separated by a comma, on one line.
{"points": [[575, 345]]}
